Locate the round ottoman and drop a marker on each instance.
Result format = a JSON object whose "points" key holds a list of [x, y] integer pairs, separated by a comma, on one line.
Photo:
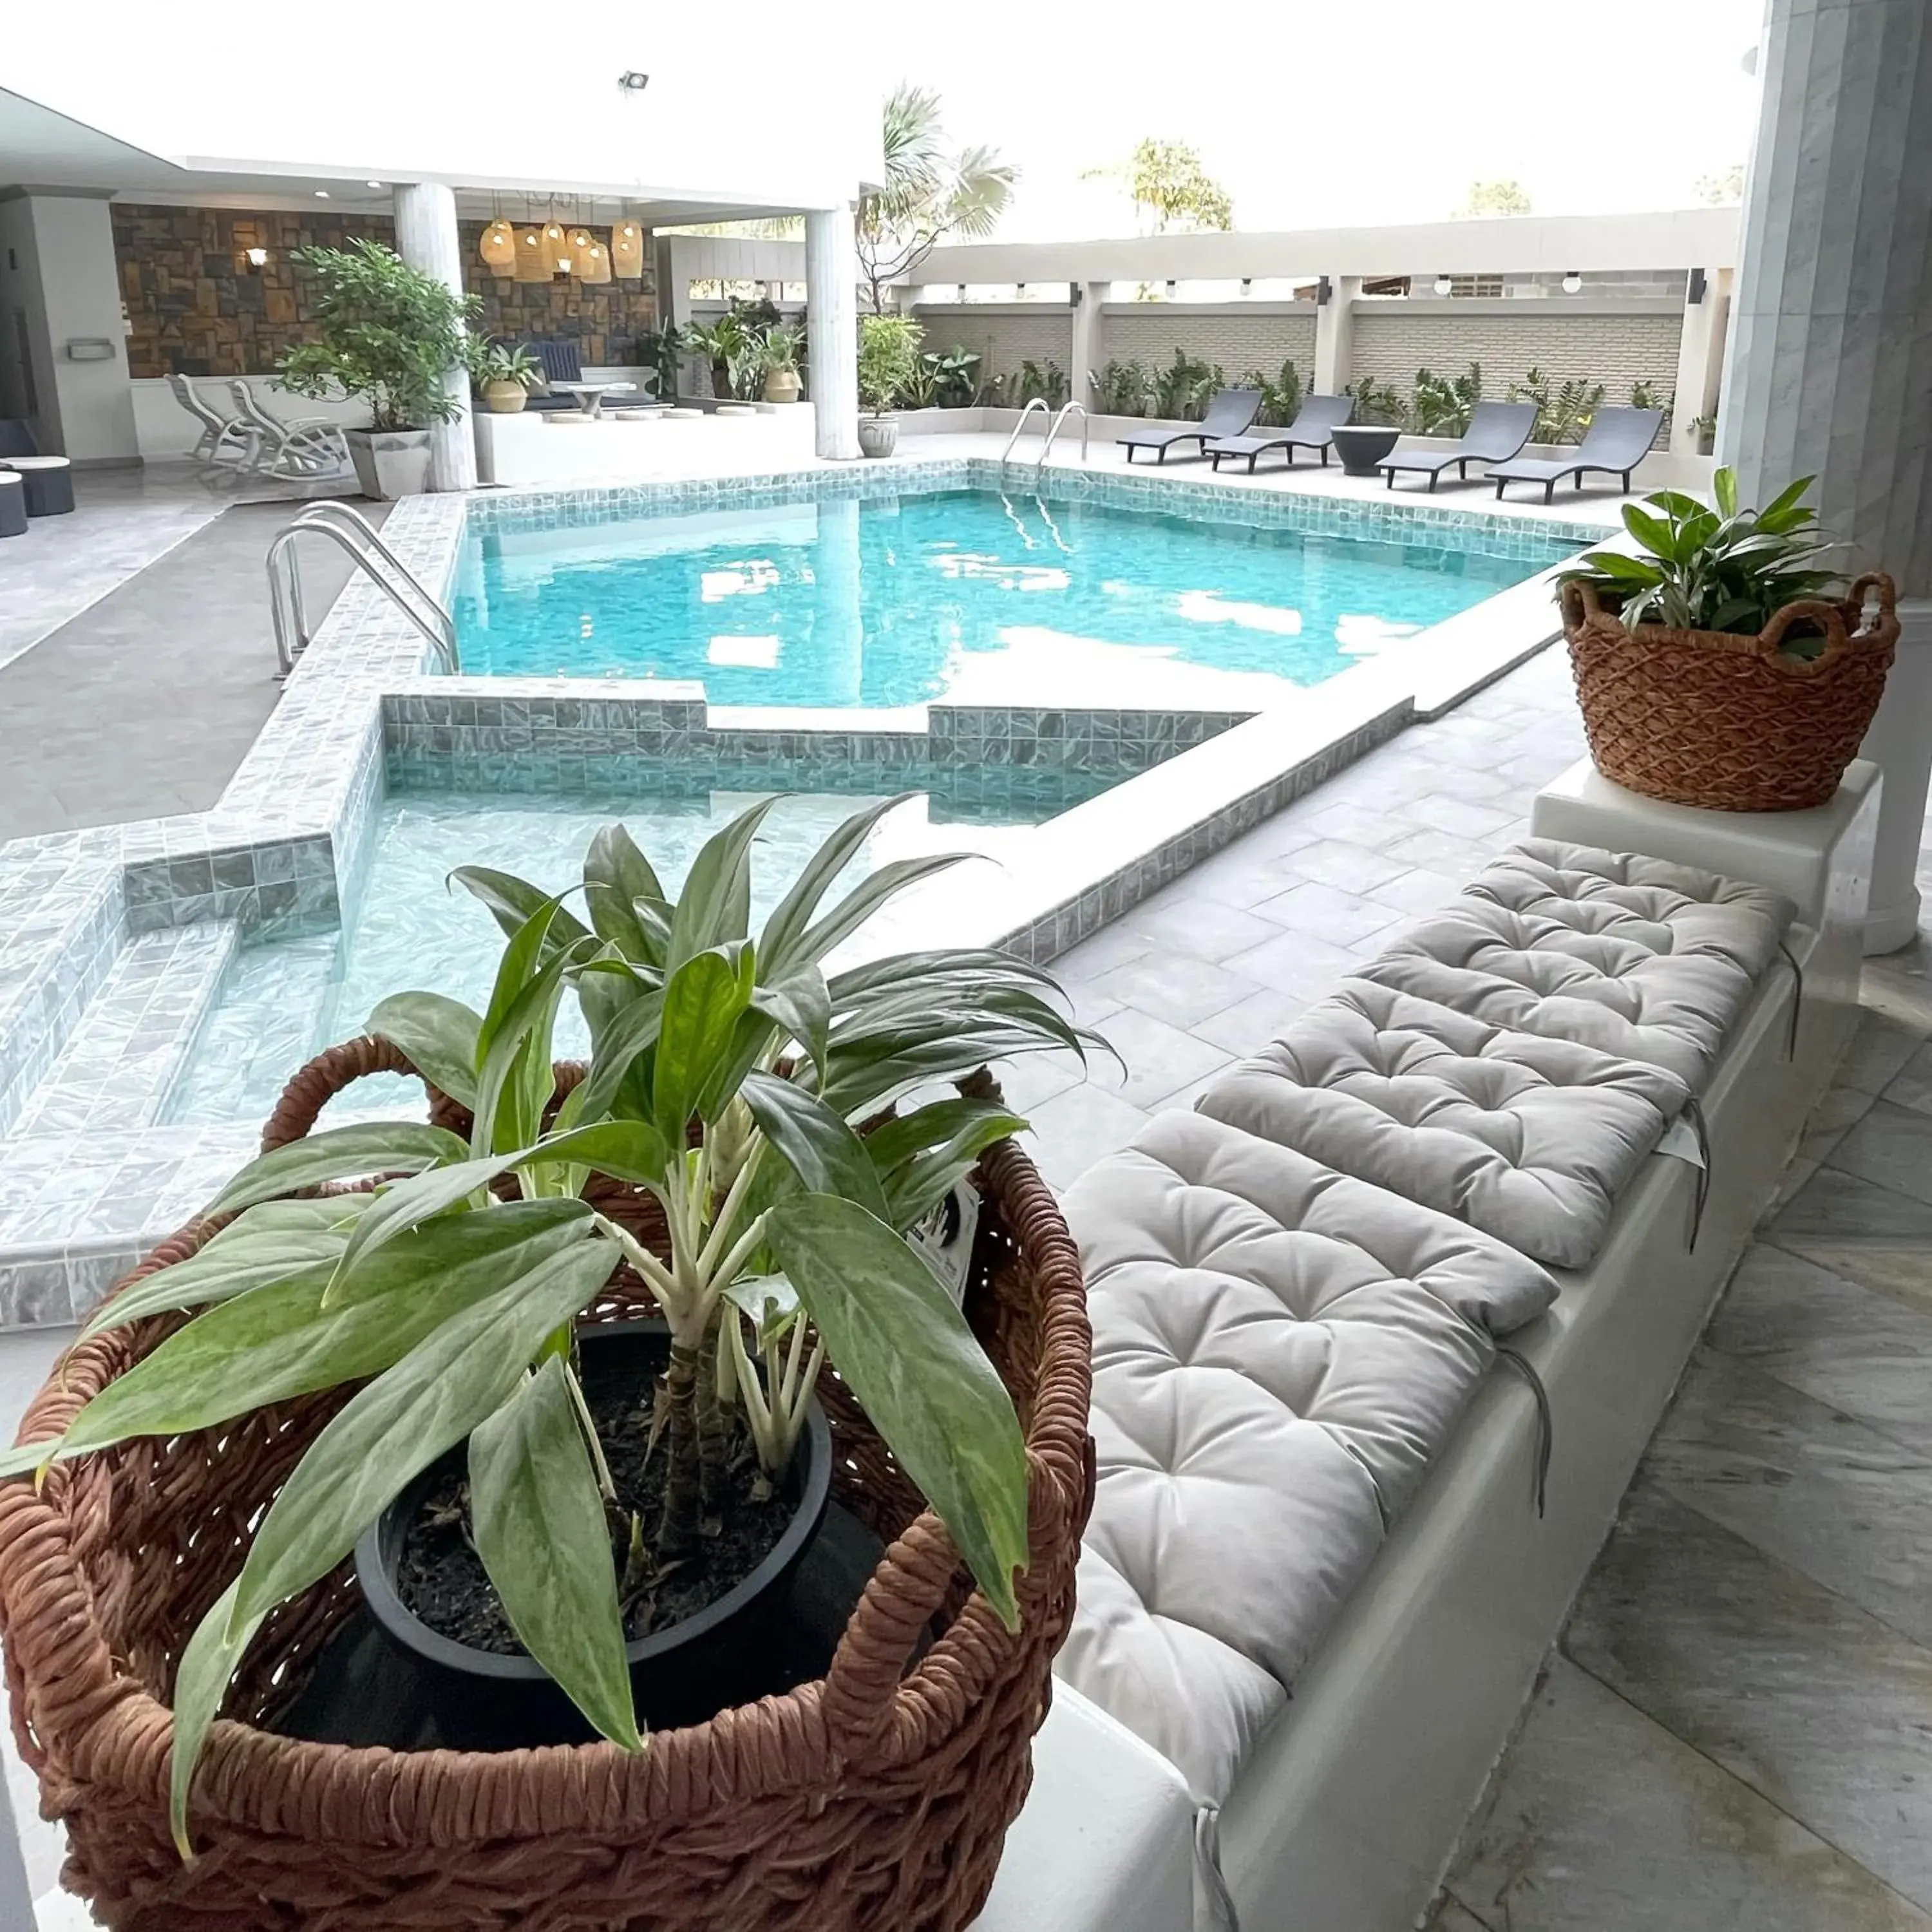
{"points": [[13, 505], [48, 481]]}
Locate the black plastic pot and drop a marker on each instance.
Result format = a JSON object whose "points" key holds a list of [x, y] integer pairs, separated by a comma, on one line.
{"points": [[732, 1652]]}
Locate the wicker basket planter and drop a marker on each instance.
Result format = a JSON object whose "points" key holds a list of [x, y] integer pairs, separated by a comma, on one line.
{"points": [[877, 1797], [1734, 723]]}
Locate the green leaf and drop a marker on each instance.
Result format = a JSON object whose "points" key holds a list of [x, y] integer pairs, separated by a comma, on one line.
{"points": [[866, 898], [439, 1036], [703, 1000], [617, 877], [1784, 501], [715, 905], [1651, 532], [630, 1031], [906, 1352], [815, 1142], [538, 1517], [1624, 569], [785, 928], [513, 902], [201, 1681], [921, 1155], [405, 1419], [268, 1243], [801, 1005], [1724, 487], [900, 971], [506, 1025], [518, 1076], [769, 1301], [632, 1150], [278, 1341], [339, 1154]]}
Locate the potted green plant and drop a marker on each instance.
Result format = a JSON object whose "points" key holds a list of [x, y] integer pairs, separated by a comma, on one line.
{"points": [[780, 349], [504, 373], [1719, 663], [390, 334], [888, 361], [435, 1335]]}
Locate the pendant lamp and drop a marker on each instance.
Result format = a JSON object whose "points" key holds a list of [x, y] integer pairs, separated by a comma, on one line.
{"points": [[533, 263], [627, 251], [498, 247], [593, 258], [556, 247]]}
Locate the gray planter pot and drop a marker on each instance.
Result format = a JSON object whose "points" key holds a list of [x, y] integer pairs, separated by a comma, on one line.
{"points": [[390, 462], [878, 435]]}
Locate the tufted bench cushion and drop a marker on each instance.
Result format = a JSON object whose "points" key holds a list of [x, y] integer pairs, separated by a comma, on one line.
{"points": [[1636, 957], [1279, 1351], [1531, 1139]]}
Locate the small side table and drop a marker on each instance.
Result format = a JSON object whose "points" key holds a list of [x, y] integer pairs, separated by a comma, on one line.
{"points": [[590, 395], [1362, 445]]}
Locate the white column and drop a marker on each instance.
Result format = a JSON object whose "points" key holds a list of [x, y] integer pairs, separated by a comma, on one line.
{"points": [[831, 301], [1700, 357], [1830, 370], [426, 239], [1090, 353], [1335, 336]]}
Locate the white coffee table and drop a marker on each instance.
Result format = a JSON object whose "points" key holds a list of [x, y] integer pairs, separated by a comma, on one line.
{"points": [[590, 395]]}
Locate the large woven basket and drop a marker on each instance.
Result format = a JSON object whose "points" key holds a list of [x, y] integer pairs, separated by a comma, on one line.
{"points": [[877, 1797], [1735, 723]]}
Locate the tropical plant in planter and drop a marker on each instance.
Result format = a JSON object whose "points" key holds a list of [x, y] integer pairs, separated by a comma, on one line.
{"points": [[782, 346], [1720, 662], [389, 334], [504, 373], [888, 362], [726, 1072]]}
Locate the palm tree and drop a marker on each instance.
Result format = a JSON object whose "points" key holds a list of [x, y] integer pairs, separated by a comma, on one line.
{"points": [[928, 194]]}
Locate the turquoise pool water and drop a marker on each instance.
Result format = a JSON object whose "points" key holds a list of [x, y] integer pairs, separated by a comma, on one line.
{"points": [[284, 1000], [962, 593]]}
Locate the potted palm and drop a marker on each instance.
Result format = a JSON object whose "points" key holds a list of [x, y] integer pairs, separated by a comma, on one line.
{"points": [[390, 334], [504, 373], [1719, 663], [448, 1360], [888, 361], [780, 350]]}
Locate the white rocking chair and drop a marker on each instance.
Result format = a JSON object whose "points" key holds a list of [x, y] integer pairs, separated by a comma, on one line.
{"points": [[304, 446], [223, 438]]}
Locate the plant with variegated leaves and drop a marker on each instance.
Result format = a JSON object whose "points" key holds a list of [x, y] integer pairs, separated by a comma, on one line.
{"points": [[726, 1077]]}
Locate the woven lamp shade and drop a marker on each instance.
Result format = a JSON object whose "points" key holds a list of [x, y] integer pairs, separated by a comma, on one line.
{"points": [[627, 251], [498, 247], [533, 262], [555, 246], [593, 259], [577, 248]]}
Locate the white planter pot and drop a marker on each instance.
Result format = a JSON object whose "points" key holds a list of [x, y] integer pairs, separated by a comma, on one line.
{"points": [[878, 435], [390, 462]]}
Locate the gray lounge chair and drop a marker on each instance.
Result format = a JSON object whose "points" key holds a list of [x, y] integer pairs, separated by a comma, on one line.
{"points": [[1616, 442], [1313, 429], [1496, 431], [1229, 413]]}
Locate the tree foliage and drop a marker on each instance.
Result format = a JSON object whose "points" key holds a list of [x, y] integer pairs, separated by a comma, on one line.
{"points": [[1724, 188], [1171, 188], [1487, 198], [931, 193]]}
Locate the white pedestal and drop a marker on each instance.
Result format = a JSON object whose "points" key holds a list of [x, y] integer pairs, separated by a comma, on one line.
{"points": [[1900, 742], [532, 447], [1822, 859]]}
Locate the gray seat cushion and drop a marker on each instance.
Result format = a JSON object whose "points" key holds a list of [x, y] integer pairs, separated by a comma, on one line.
{"points": [[1279, 1351], [1531, 1139], [1636, 957]]}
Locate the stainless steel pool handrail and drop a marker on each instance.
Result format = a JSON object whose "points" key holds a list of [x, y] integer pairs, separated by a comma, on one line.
{"points": [[352, 533], [1066, 409], [1035, 403]]}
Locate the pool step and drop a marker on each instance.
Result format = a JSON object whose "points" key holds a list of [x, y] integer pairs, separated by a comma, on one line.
{"points": [[122, 1058]]}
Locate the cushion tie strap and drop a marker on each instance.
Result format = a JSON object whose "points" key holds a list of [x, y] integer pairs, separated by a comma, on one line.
{"points": [[1214, 1909], [1797, 998], [1545, 1432]]}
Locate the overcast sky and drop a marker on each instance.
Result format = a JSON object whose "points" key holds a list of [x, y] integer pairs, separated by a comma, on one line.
{"points": [[1315, 113]]}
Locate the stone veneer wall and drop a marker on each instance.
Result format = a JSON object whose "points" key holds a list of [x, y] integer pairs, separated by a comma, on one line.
{"points": [[196, 306]]}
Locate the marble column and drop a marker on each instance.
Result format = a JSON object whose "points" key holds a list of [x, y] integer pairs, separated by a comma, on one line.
{"points": [[1700, 355], [832, 299], [1335, 336], [426, 239], [1830, 368], [1089, 331], [16, 1902]]}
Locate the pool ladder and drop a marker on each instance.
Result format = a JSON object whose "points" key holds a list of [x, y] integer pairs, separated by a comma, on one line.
{"points": [[1066, 409], [355, 537]]}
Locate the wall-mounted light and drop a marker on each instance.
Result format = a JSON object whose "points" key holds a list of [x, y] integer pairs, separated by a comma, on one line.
{"points": [[1443, 284], [375, 184], [322, 194], [1323, 289], [1169, 286], [258, 258], [632, 82], [1019, 288], [1694, 294], [1572, 282], [1247, 285]]}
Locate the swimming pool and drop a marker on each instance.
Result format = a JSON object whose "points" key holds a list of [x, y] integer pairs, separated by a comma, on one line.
{"points": [[284, 999], [969, 595]]}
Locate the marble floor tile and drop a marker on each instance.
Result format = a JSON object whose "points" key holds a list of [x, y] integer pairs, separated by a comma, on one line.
{"points": [[1072, 1130], [1202, 928], [1860, 1351], [1830, 1496], [1355, 869], [1294, 962], [1603, 1821], [1160, 1059], [1423, 890], [1357, 824], [1114, 946], [1443, 852], [1866, 1233], [1911, 1084], [1879, 1051], [1818, 1707], [1249, 1025], [1451, 1915], [1173, 987], [1891, 1146], [1342, 919], [1898, 986], [1839, 1110], [1458, 818]]}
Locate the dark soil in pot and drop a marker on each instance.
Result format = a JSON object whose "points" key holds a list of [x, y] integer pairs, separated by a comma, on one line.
{"points": [[704, 1636]]}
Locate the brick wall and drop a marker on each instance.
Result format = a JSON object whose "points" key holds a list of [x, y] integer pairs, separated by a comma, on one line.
{"points": [[1614, 349], [1262, 338], [195, 306], [1002, 335]]}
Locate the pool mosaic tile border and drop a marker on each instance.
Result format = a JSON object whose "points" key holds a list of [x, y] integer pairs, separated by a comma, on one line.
{"points": [[281, 850]]}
